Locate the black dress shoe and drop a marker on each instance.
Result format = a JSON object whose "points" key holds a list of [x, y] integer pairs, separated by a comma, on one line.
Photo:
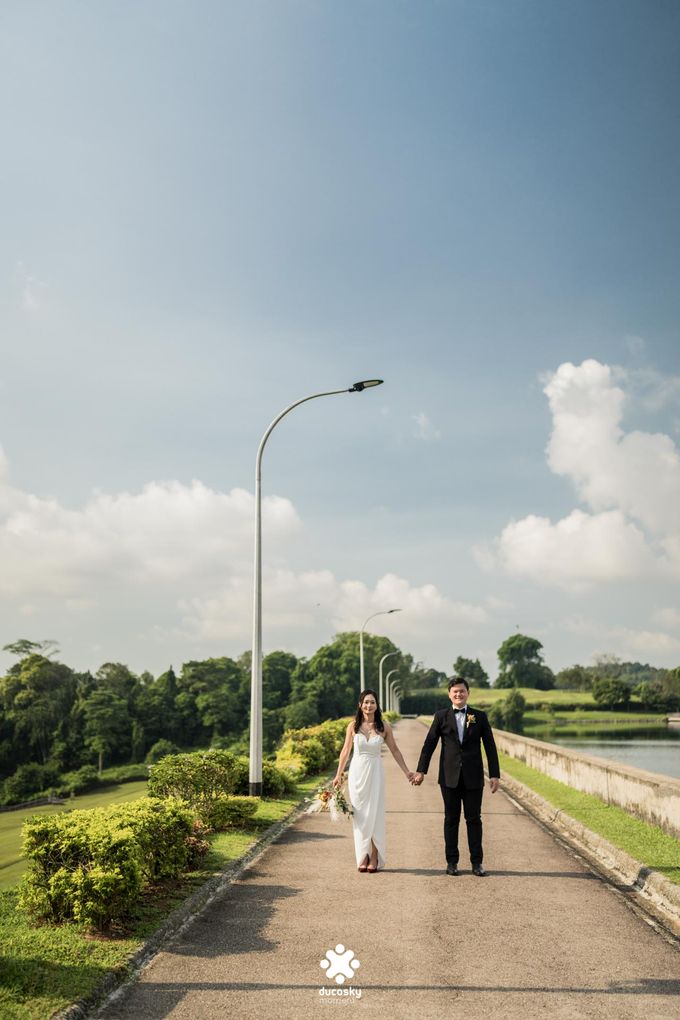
{"points": [[452, 869], [479, 871]]}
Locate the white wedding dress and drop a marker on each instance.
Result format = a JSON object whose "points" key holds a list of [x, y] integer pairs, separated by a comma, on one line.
{"points": [[366, 784]]}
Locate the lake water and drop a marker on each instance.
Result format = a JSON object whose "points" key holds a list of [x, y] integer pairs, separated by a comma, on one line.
{"points": [[656, 755]]}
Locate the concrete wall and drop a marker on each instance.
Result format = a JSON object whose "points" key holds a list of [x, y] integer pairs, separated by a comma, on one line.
{"points": [[652, 797]]}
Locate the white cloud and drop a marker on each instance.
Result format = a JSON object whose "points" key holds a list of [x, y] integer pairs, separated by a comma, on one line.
{"points": [[636, 472], [631, 482], [185, 551], [165, 533], [648, 642], [424, 428], [301, 601], [580, 549], [668, 617]]}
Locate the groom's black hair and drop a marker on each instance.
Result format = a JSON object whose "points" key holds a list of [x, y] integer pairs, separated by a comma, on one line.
{"points": [[377, 718], [453, 680]]}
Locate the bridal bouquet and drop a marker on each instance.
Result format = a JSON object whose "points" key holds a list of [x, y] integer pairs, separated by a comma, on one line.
{"points": [[330, 799]]}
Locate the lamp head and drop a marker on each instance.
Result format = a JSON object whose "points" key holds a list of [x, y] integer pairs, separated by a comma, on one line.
{"points": [[365, 384]]}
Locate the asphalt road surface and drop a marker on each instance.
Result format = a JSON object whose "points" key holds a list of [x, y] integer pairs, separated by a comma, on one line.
{"points": [[539, 936]]}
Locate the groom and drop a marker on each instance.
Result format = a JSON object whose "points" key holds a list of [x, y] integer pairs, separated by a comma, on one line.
{"points": [[461, 773]]}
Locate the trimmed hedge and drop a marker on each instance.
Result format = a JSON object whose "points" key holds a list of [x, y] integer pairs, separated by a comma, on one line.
{"points": [[91, 866], [231, 812], [312, 750], [200, 778]]}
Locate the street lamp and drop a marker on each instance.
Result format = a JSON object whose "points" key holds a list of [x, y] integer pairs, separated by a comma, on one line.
{"points": [[393, 694], [387, 688], [380, 676], [382, 612], [255, 775]]}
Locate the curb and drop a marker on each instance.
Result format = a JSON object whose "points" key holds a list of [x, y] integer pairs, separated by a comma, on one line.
{"points": [[629, 875], [174, 924]]}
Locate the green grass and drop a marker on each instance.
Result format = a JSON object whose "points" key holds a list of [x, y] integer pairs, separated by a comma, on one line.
{"points": [[595, 723], [12, 864], [44, 968], [646, 843]]}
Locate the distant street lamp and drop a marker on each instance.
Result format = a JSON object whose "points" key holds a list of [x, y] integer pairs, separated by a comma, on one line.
{"points": [[388, 685], [382, 612], [395, 691], [255, 775], [380, 678]]}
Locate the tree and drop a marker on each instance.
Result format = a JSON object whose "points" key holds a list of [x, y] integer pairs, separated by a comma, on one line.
{"points": [[658, 696], [212, 700], [521, 664], [37, 696], [611, 692], [508, 714], [23, 648], [472, 670], [107, 723], [574, 678]]}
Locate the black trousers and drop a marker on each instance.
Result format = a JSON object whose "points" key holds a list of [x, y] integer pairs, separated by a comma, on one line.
{"points": [[471, 801]]}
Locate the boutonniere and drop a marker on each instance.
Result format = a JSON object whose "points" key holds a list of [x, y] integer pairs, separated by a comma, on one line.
{"points": [[470, 719]]}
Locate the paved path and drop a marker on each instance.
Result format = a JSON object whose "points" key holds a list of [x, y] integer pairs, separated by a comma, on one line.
{"points": [[540, 936]]}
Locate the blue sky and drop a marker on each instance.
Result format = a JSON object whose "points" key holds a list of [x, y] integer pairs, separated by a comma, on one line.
{"points": [[212, 210]]}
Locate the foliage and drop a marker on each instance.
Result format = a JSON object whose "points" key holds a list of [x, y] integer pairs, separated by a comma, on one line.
{"points": [[231, 812], [276, 782], [29, 781], [472, 670], [160, 749], [197, 779], [91, 866], [508, 714], [311, 750], [107, 722], [661, 695], [611, 692], [521, 664], [424, 702], [574, 678]]}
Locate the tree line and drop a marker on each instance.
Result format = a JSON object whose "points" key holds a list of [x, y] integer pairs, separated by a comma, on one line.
{"points": [[59, 719]]}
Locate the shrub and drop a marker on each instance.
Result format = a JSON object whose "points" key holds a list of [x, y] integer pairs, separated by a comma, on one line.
{"points": [[312, 750], [29, 781], [196, 779], [83, 779], [231, 812], [90, 866], [276, 782], [125, 773], [160, 749]]}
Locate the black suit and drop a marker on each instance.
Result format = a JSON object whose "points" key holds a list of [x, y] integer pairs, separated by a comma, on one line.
{"points": [[461, 774]]}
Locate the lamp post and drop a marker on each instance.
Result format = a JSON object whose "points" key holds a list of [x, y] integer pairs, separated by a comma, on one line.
{"points": [[387, 688], [255, 775], [381, 612], [393, 694], [380, 676]]}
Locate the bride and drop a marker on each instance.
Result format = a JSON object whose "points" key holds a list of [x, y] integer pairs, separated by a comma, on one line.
{"points": [[365, 737]]}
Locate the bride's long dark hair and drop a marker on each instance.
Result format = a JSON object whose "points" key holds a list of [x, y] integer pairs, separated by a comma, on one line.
{"points": [[377, 718]]}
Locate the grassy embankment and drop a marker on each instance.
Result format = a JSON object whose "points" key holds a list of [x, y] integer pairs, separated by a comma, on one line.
{"points": [[645, 843], [547, 714], [44, 968]]}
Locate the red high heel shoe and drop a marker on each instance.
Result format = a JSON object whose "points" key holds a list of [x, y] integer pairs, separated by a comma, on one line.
{"points": [[364, 864]]}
